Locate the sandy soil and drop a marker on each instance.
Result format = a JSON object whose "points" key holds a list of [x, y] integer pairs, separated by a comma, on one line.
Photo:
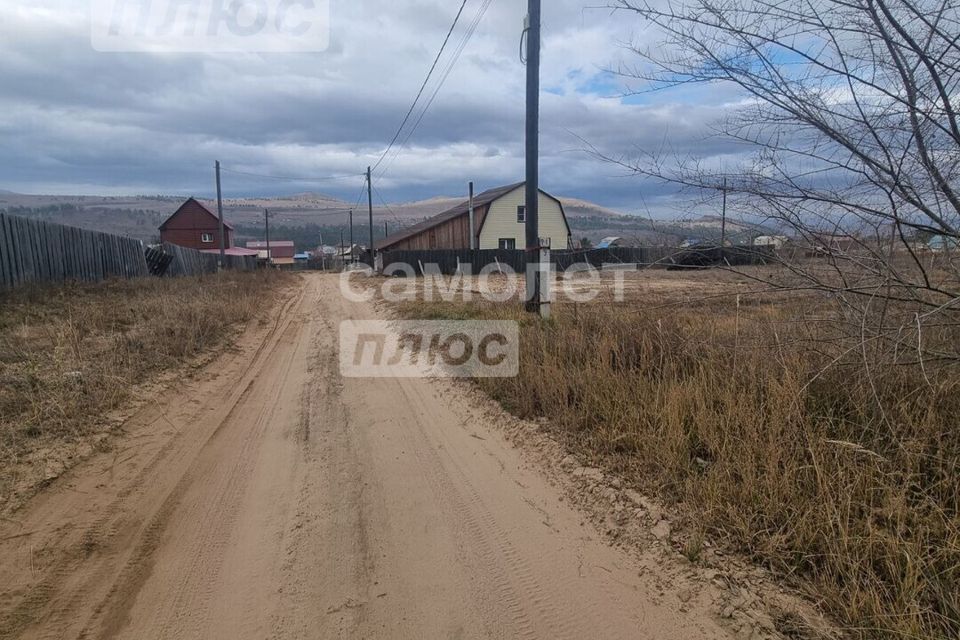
{"points": [[271, 498]]}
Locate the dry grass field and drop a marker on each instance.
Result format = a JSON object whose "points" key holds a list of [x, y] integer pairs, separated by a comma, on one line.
{"points": [[773, 428], [69, 355]]}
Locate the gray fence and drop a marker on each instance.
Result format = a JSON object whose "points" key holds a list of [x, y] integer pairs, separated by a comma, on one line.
{"points": [[190, 262], [448, 261], [36, 251]]}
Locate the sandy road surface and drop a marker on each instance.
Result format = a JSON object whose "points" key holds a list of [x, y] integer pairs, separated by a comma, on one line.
{"points": [[272, 498]]}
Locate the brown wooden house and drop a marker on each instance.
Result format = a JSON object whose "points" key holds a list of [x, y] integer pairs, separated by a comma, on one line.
{"points": [[196, 227]]}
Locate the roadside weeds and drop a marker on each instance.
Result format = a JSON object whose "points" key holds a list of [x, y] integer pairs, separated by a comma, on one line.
{"points": [[837, 475], [72, 355]]}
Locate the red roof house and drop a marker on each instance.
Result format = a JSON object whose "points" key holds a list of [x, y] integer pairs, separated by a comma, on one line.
{"points": [[196, 227]]}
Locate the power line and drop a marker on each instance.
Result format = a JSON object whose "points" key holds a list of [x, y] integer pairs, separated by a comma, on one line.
{"points": [[274, 177], [389, 208], [413, 106], [363, 189], [277, 213], [446, 74]]}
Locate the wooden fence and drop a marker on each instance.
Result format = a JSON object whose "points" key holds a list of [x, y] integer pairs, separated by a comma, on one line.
{"points": [[36, 251], [190, 262], [448, 261]]}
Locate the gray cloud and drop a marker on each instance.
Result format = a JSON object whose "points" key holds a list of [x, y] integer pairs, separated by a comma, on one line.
{"points": [[75, 120]]}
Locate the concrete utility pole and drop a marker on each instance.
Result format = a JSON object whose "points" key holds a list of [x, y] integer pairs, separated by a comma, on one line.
{"points": [[537, 272], [473, 234], [266, 221], [223, 239], [370, 211]]}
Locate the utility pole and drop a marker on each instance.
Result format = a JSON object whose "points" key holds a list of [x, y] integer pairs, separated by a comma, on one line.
{"points": [[536, 280], [473, 238], [723, 220], [223, 240], [370, 212], [266, 222], [351, 235], [386, 229], [323, 256]]}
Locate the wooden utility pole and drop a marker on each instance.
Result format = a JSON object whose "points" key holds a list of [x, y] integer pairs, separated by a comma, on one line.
{"points": [[223, 239], [370, 211], [723, 219], [386, 229], [266, 221], [351, 235], [473, 238], [535, 274], [323, 256]]}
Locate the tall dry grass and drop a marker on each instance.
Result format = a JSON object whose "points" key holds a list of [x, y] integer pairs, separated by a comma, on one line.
{"points": [[770, 428], [71, 354]]}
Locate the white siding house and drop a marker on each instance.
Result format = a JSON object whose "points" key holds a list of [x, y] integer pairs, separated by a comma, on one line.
{"points": [[503, 221]]}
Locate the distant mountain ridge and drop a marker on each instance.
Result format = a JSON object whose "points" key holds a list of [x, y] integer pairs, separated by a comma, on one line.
{"points": [[140, 216]]}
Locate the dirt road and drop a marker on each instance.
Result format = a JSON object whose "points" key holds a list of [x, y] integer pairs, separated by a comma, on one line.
{"points": [[271, 498]]}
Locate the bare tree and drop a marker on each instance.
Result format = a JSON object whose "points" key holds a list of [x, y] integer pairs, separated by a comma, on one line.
{"points": [[850, 109]]}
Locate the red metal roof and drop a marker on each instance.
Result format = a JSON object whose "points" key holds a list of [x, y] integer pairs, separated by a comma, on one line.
{"points": [[274, 244], [233, 251]]}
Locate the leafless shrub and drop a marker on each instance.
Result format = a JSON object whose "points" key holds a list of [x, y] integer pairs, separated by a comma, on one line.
{"points": [[849, 108]]}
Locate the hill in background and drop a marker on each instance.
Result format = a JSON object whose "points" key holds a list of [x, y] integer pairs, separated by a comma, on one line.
{"points": [[308, 217]]}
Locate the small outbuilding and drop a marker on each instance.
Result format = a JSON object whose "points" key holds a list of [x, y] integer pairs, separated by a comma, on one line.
{"points": [[776, 243], [280, 252], [499, 223]]}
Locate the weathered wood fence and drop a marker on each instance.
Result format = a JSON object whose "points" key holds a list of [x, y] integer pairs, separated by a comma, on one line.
{"points": [[190, 262], [36, 251], [448, 261]]}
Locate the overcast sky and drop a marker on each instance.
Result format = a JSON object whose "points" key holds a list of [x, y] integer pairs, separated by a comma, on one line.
{"points": [[77, 121]]}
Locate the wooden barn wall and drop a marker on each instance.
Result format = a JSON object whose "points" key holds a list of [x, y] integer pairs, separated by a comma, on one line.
{"points": [[37, 251], [451, 234]]}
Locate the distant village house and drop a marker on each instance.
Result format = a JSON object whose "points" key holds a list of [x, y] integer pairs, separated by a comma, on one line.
{"points": [[499, 223], [281, 252]]}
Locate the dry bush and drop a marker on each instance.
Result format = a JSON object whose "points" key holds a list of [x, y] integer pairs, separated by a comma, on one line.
{"points": [[71, 354], [765, 420]]}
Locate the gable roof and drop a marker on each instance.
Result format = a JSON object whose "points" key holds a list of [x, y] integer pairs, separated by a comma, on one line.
{"points": [[189, 201], [461, 209]]}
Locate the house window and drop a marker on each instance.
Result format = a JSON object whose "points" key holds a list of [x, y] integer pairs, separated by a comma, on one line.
{"points": [[507, 244], [206, 238], [521, 214]]}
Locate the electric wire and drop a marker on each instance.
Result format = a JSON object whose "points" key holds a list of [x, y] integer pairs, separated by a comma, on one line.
{"points": [[448, 69], [290, 178], [423, 86]]}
